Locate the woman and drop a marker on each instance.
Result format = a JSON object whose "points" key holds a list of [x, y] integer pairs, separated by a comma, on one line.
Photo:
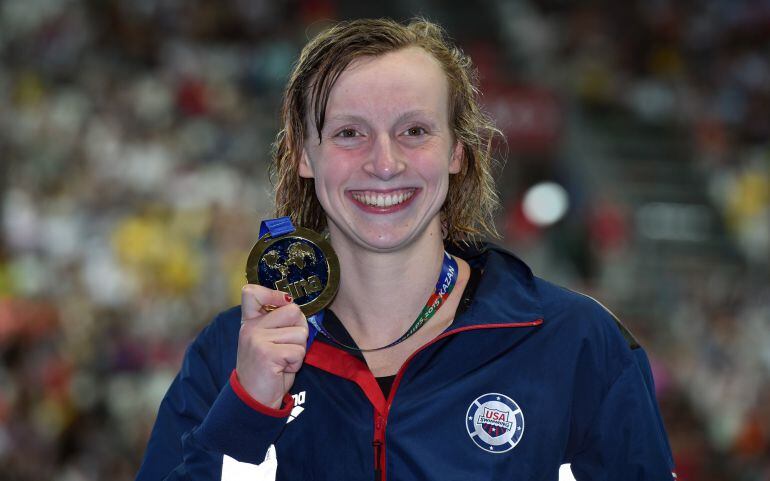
{"points": [[385, 147]]}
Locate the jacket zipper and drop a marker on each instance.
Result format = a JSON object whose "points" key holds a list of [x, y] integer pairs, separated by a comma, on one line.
{"points": [[379, 444], [381, 419]]}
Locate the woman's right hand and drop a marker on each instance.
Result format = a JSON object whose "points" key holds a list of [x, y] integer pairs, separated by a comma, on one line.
{"points": [[271, 345]]}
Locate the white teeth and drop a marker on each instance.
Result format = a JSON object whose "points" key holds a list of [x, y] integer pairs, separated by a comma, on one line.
{"points": [[382, 200]]}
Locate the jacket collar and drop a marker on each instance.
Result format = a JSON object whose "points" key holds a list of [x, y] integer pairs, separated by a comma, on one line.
{"points": [[506, 292]]}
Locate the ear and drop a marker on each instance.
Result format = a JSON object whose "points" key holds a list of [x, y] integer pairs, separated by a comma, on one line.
{"points": [[305, 167], [456, 162]]}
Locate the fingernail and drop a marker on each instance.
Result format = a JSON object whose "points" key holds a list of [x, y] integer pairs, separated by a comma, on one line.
{"points": [[288, 298]]}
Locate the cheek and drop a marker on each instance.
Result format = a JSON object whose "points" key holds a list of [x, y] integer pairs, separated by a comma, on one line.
{"points": [[335, 167], [434, 169], [329, 178]]}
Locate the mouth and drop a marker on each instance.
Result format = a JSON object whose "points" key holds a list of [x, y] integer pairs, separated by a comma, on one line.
{"points": [[383, 201]]}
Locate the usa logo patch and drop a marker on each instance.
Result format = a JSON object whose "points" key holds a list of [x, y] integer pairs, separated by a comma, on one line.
{"points": [[495, 422]]}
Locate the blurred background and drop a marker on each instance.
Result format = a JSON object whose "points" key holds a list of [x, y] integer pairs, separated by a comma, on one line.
{"points": [[134, 144]]}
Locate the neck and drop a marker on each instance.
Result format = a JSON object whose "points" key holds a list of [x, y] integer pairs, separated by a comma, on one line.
{"points": [[381, 294]]}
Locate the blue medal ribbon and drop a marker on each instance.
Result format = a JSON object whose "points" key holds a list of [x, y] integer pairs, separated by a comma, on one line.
{"points": [[276, 227]]}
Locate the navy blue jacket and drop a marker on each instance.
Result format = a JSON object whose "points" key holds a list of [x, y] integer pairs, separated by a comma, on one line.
{"points": [[528, 376]]}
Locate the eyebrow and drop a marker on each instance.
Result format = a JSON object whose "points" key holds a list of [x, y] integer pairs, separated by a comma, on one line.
{"points": [[346, 118], [402, 117], [414, 113]]}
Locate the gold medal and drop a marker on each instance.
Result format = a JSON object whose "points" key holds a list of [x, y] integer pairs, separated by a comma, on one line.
{"points": [[301, 263]]}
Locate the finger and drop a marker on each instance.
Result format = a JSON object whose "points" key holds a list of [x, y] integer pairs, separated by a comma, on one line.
{"points": [[285, 316], [288, 335], [293, 367], [293, 355], [255, 297]]}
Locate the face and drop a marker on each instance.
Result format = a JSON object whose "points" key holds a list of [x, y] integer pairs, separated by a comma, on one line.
{"points": [[382, 167]]}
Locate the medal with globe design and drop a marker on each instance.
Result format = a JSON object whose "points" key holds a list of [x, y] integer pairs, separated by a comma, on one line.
{"points": [[300, 263]]}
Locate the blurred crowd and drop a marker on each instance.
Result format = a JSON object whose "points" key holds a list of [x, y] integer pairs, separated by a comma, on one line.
{"points": [[134, 146]]}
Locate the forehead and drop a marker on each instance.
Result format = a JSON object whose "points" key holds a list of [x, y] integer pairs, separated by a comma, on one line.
{"points": [[406, 79]]}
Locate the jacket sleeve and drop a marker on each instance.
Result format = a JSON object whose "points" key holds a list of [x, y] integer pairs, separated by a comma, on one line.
{"points": [[626, 438], [205, 415]]}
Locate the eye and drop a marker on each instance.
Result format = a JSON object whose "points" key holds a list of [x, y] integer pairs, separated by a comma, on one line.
{"points": [[415, 131], [347, 133]]}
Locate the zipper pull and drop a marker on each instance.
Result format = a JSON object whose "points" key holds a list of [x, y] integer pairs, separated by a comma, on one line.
{"points": [[377, 445]]}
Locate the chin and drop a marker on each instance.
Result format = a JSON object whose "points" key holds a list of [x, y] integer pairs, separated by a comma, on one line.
{"points": [[375, 240], [383, 244], [383, 237], [390, 240]]}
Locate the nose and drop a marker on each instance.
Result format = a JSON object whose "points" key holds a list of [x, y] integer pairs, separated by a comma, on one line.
{"points": [[386, 160]]}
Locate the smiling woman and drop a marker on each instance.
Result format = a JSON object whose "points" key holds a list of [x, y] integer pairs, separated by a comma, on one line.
{"points": [[384, 146]]}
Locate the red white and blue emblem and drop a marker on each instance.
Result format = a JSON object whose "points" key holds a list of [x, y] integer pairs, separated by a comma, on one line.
{"points": [[495, 422]]}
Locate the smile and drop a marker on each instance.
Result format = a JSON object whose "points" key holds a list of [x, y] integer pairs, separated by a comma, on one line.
{"points": [[382, 199]]}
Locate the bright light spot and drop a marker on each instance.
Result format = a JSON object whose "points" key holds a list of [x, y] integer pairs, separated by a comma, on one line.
{"points": [[545, 203]]}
